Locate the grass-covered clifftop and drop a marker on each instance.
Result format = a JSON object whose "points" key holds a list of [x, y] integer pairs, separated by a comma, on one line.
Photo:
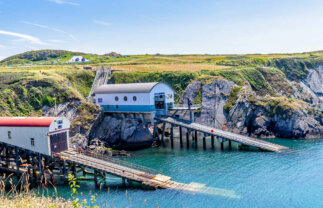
{"points": [[26, 88]]}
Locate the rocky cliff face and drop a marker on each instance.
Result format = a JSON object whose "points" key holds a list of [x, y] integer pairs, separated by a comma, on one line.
{"points": [[121, 132], [296, 116]]}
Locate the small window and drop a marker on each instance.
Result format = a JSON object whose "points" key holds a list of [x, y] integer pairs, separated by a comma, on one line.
{"points": [[9, 135], [116, 98], [60, 121], [125, 98], [59, 126], [134, 98], [117, 106], [32, 141], [99, 100]]}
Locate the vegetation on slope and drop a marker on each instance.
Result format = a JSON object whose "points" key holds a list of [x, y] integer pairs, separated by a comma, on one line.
{"points": [[25, 93], [26, 89]]}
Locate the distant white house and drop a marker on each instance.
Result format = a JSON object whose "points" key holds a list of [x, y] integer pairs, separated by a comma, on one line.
{"points": [[77, 59]]}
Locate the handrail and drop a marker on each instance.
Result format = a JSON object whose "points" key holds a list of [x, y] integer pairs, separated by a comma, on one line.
{"points": [[97, 75], [121, 162], [185, 105]]}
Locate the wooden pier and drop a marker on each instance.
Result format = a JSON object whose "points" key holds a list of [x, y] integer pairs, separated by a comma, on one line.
{"points": [[17, 160], [194, 128]]}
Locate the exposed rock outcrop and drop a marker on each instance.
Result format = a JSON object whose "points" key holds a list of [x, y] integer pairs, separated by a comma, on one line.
{"points": [[298, 116], [125, 133], [83, 115]]}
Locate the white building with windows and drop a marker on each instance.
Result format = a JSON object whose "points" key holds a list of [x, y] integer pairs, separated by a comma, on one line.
{"points": [[46, 135], [153, 97], [77, 59]]}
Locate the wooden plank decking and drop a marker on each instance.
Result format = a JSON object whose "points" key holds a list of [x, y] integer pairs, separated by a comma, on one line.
{"points": [[156, 181], [224, 134], [148, 179]]}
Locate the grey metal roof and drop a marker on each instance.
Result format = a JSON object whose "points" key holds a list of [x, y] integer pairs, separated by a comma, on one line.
{"points": [[126, 88]]}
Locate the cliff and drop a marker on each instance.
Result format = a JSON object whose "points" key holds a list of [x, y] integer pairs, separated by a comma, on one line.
{"points": [[292, 110]]}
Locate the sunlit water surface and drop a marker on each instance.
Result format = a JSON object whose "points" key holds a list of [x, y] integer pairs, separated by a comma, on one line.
{"points": [[260, 179]]}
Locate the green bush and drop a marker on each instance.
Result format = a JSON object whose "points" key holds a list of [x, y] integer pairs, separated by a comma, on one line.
{"points": [[234, 92]]}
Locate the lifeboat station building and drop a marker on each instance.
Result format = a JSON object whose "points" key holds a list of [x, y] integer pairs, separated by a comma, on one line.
{"points": [[46, 135], [154, 98]]}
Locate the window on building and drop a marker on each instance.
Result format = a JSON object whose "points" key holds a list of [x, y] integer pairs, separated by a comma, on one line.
{"points": [[9, 135], [100, 100], [60, 121], [117, 106], [32, 141], [116, 98], [125, 98], [134, 98]]}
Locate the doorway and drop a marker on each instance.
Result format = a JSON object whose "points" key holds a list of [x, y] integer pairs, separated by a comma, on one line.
{"points": [[160, 104], [58, 142]]}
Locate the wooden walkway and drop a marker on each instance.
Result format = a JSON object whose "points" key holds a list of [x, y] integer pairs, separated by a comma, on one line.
{"points": [[18, 160], [151, 180], [223, 134]]}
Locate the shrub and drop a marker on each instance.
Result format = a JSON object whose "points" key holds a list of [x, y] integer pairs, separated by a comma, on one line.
{"points": [[234, 92]]}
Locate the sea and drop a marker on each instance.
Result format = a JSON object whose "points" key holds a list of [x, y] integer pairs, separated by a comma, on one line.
{"points": [[293, 178]]}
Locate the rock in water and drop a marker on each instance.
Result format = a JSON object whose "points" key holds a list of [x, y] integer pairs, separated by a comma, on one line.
{"points": [[125, 133]]}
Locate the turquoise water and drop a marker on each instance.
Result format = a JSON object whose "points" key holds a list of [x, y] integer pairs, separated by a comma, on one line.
{"points": [[260, 179]]}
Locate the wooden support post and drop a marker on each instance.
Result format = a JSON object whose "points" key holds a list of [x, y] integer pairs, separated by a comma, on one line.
{"points": [[17, 161], [195, 139], [40, 167], [187, 139], [230, 145], [222, 146], [204, 142], [212, 141], [172, 136], [123, 182], [64, 169], [74, 170], [181, 136], [163, 134], [96, 178], [7, 158], [104, 178], [34, 176]]}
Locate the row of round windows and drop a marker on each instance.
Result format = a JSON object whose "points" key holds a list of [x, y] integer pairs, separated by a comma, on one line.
{"points": [[125, 98]]}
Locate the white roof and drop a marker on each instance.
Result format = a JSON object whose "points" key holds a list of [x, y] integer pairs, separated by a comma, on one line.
{"points": [[126, 88]]}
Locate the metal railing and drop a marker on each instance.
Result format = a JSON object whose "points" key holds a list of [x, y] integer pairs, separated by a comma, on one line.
{"points": [[186, 106], [120, 162], [97, 75]]}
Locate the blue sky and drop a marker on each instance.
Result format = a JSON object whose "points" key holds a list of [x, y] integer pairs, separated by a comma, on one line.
{"points": [[161, 26]]}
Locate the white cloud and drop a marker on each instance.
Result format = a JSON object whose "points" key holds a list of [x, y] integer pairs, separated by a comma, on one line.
{"points": [[2, 46], [24, 37], [65, 2], [99, 22], [2, 57], [56, 41], [50, 28]]}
